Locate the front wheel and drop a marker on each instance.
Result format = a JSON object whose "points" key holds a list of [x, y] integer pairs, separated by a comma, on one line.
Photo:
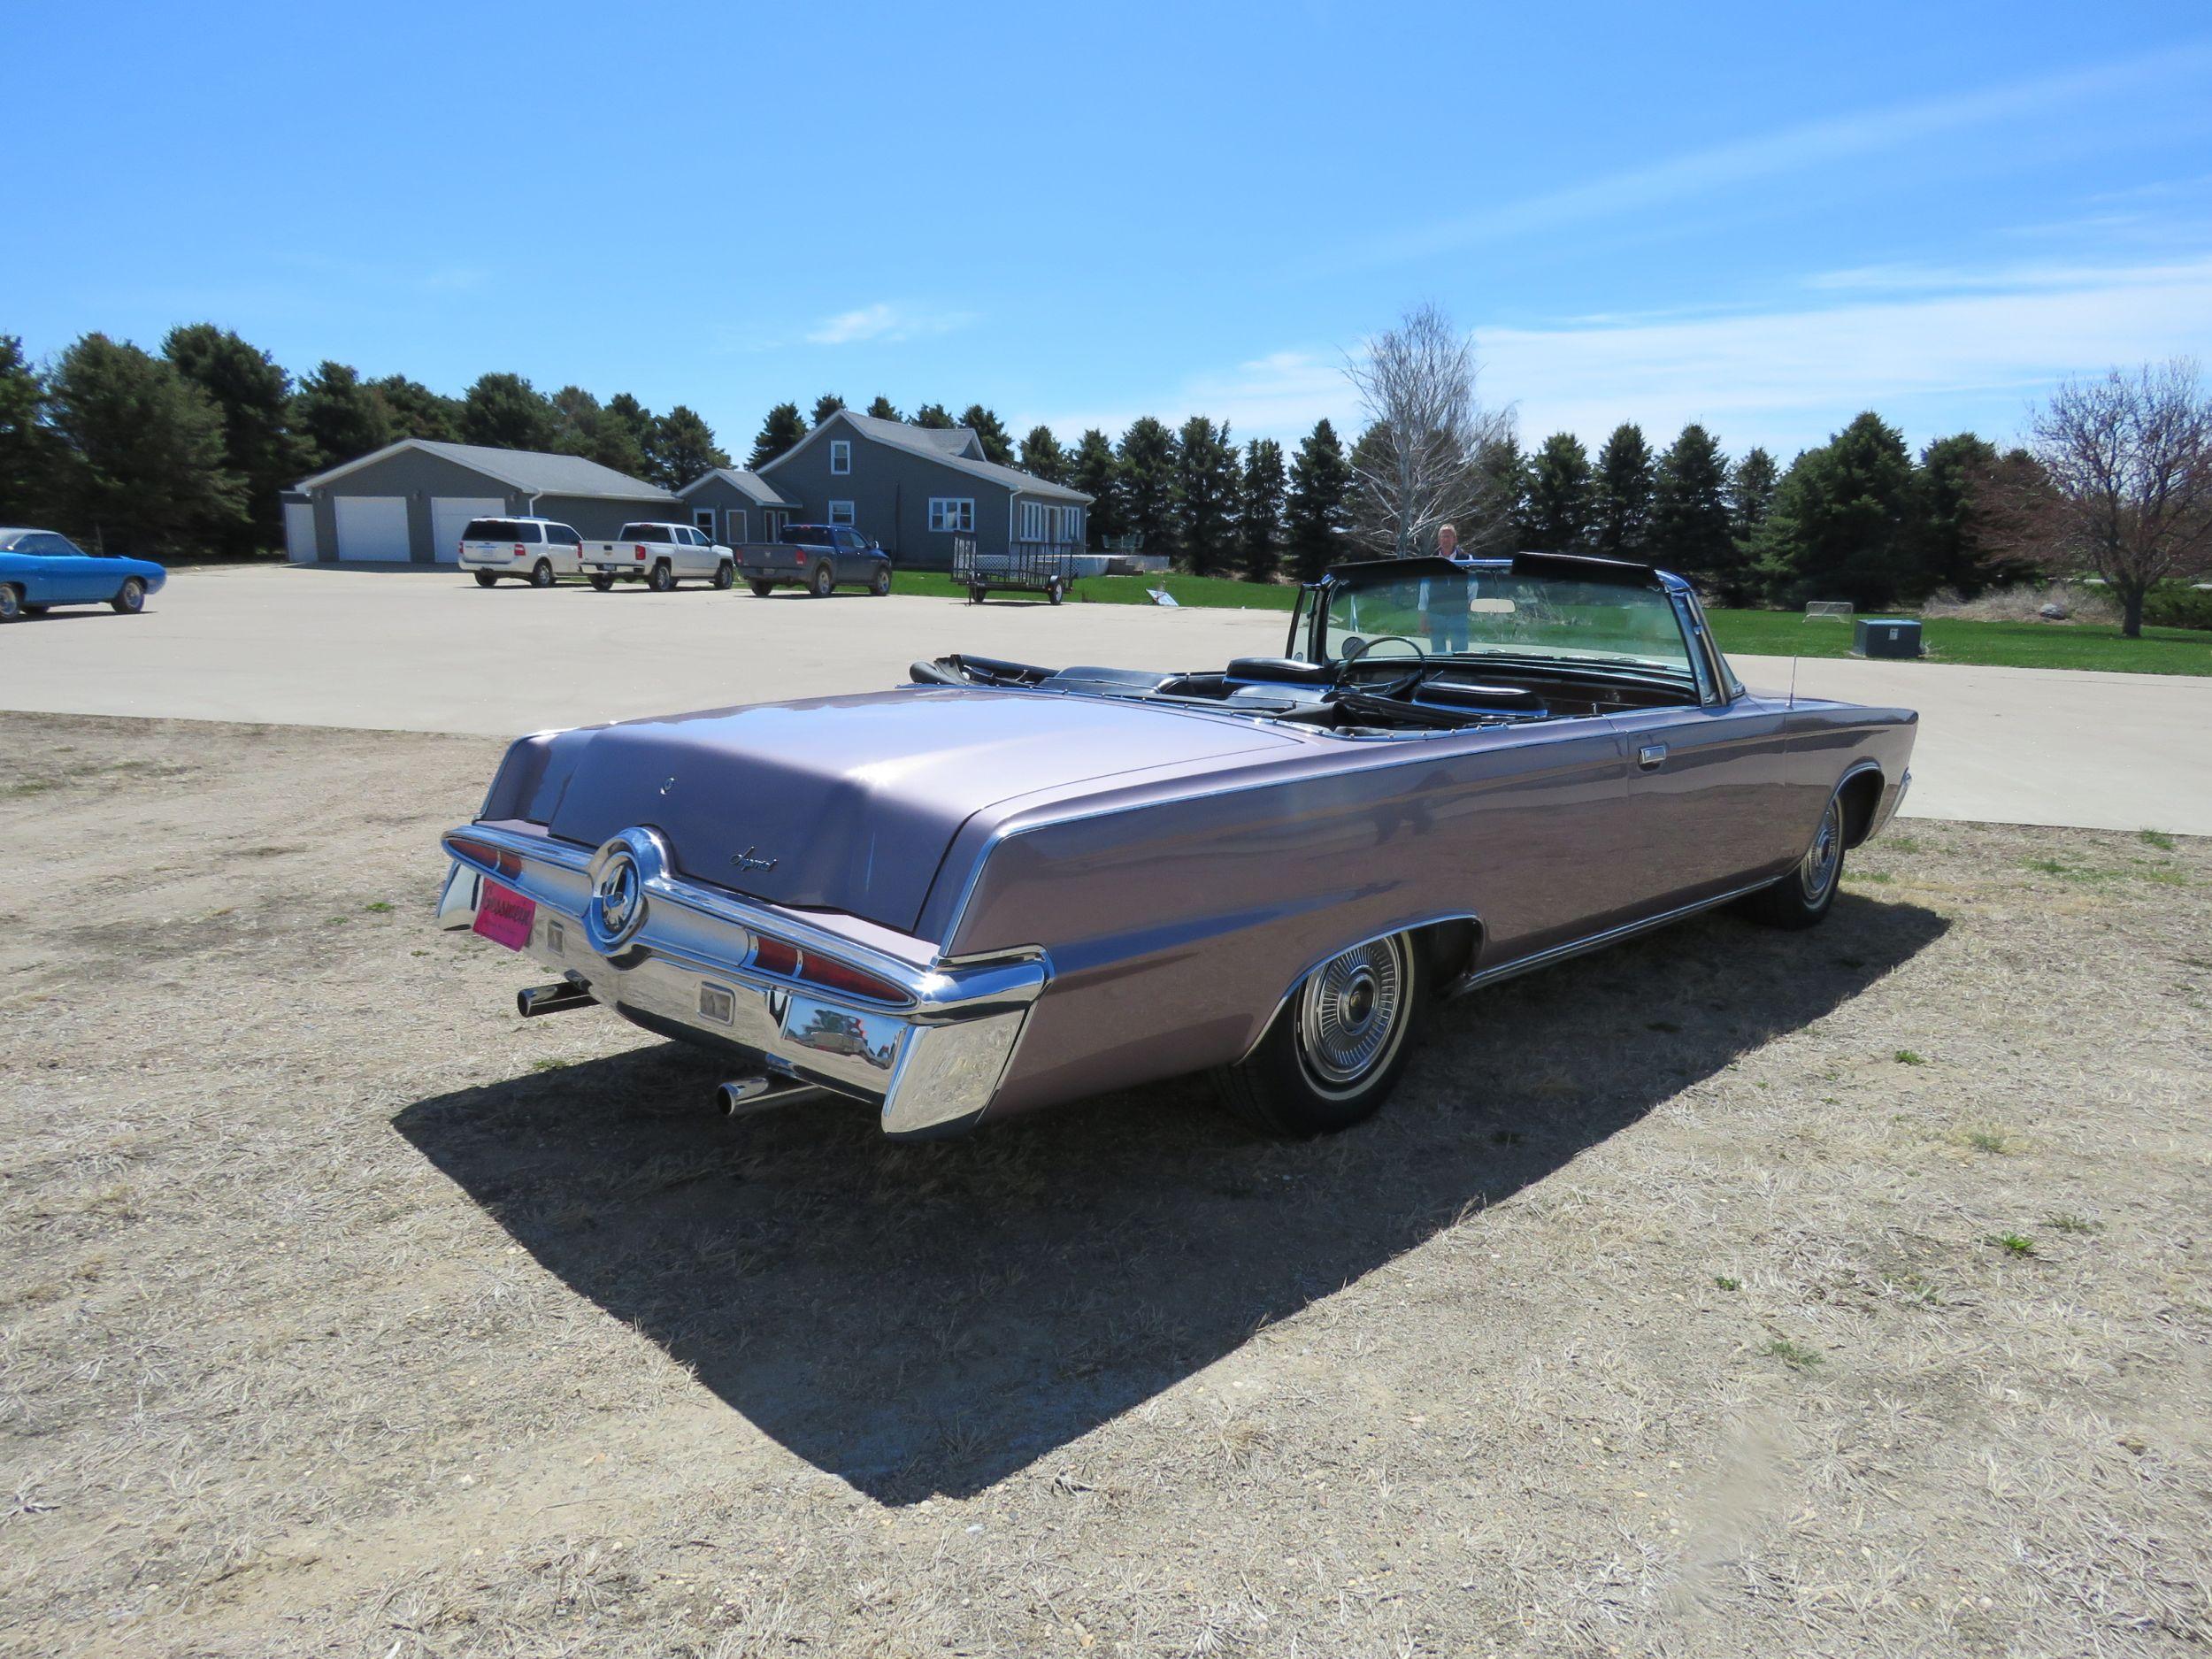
{"points": [[824, 580], [1337, 1045], [1803, 897], [130, 599], [1057, 592], [725, 575], [603, 581], [542, 574], [761, 590], [485, 578], [881, 584]]}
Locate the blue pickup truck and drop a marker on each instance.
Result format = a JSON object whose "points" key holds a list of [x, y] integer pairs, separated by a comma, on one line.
{"points": [[819, 557]]}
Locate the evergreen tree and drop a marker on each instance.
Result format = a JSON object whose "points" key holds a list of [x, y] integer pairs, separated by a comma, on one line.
{"points": [[149, 444], [1496, 529], [1144, 485], [827, 404], [1622, 494], [506, 413], [33, 465], [1751, 482], [254, 397], [622, 434], [884, 409], [1320, 480], [1949, 529], [990, 431], [1092, 470], [1560, 506], [1206, 485], [1842, 525], [682, 448], [1691, 533], [415, 412], [934, 416], [579, 415], [1041, 455], [777, 433], [337, 418], [1260, 512]]}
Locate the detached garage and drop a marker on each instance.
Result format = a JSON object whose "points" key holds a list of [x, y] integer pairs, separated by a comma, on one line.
{"points": [[407, 503]]}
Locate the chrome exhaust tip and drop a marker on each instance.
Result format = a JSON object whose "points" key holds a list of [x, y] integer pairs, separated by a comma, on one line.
{"points": [[534, 1000], [742, 1097]]}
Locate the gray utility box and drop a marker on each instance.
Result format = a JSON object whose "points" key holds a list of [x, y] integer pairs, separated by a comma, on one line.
{"points": [[1884, 636]]}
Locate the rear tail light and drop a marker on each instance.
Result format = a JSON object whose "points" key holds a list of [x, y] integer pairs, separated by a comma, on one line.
{"points": [[787, 960], [517, 549], [640, 549], [800, 557], [506, 863]]}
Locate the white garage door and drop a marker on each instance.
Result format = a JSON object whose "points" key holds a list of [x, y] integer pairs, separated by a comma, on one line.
{"points": [[299, 533], [372, 527], [449, 516]]}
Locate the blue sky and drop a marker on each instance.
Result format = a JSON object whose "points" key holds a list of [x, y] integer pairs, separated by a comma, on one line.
{"points": [[1766, 217]]}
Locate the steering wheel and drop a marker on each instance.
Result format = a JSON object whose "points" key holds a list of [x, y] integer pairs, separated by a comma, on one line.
{"points": [[1356, 648]]}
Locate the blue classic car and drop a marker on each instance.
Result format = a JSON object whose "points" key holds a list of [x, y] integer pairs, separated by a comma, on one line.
{"points": [[40, 568]]}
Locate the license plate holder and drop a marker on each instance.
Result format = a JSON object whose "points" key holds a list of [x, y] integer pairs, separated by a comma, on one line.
{"points": [[504, 917]]}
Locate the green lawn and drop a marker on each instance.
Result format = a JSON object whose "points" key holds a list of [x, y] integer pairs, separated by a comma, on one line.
{"points": [[1742, 633], [1998, 644], [1218, 591]]}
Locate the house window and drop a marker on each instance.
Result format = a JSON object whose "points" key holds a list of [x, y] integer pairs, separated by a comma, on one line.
{"points": [[952, 512], [1032, 521], [840, 512], [704, 517], [737, 525], [841, 456]]}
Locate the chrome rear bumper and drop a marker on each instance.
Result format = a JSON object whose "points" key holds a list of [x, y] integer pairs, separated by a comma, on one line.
{"points": [[684, 960]]}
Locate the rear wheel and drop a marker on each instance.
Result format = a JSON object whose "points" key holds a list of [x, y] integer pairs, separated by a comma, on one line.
{"points": [[1337, 1045], [542, 574], [602, 581], [485, 578], [881, 584], [11, 601], [975, 595], [726, 575], [130, 599], [761, 590], [1057, 591], [824, 580], [662, 578], [1803, 897]]}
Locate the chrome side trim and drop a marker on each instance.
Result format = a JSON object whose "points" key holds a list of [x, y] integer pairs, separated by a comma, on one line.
{"points": [[1595, 941]]}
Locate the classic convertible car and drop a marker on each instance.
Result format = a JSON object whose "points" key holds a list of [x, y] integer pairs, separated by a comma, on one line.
{"points": [[1001, 887]]}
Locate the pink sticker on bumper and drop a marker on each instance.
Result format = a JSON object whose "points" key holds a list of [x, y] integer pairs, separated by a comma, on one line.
{"points": [[504, 917]]}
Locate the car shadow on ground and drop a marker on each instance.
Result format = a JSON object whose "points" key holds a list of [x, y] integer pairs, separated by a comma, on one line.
{"points": [[928, 1318]]}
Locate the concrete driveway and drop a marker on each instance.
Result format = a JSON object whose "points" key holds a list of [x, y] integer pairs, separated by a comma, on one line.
{"points": [[435, 653]]}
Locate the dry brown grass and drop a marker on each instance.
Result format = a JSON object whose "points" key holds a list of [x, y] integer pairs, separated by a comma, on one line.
{"points": [[1660, 1314], [2024, 601]]}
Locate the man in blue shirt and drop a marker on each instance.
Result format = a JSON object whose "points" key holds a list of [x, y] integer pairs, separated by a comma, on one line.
{"points": [[1444, 601]]}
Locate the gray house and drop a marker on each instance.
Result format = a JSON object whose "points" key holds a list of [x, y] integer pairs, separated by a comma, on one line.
{"points": [[733, 506], [407, 502], [916, 489]]}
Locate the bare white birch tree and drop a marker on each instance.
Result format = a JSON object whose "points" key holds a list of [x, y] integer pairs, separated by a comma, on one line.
{"points": [[2127, 459], [1417, 466]]}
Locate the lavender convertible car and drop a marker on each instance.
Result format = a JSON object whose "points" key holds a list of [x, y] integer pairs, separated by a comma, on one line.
{"points": [[1003, 887]]}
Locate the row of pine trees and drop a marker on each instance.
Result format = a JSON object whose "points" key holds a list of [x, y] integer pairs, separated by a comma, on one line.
{"points": [[187, 449]]}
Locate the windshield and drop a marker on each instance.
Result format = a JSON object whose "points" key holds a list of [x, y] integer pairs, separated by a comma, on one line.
{"points": [[1378, 614]]}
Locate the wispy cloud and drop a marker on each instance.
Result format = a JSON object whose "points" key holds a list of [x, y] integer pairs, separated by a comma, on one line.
{"points": [[883, 321], [1774, 155], [1934, 348]]}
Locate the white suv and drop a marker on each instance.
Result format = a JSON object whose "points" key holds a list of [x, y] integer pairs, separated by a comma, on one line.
{"points": [[534, 551]]}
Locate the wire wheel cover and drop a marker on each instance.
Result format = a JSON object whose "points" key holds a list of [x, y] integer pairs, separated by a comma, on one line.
{"points": [[1351, 1012], [1818, 872]]}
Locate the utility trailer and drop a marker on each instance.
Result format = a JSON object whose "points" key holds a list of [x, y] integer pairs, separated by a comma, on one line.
{"points": [[1025, 567]]}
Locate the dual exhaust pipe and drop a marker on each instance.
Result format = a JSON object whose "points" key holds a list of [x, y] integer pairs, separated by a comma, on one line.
{"points": [[740, 1097]]}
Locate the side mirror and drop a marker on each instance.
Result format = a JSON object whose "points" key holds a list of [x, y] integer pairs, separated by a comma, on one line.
{"points": [[875, 547]]}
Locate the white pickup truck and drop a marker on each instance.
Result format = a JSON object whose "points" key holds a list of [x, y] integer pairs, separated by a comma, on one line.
{"points": [[660, 556]]}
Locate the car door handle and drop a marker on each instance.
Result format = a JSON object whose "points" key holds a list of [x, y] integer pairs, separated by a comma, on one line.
{"points": [[1649, 756]]}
